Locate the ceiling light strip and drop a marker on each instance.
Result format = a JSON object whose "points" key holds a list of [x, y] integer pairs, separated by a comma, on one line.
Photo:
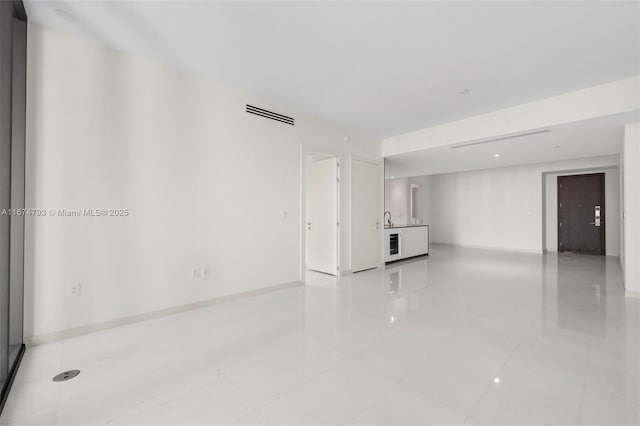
{"points": [[500, 138]]}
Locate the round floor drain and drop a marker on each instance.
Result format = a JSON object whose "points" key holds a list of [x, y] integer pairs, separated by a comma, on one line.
{"points": [[66, 375]]}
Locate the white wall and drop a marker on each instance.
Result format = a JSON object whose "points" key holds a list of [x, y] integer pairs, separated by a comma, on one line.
{"points": [[621, 204], [204, 181], [611, 210], [397, 193], [396, 200], [426, 200], [420, 181], [631, 171], [496, 208]]}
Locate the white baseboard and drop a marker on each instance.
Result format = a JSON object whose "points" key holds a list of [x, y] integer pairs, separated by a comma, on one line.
{"points": [[554, 251], [471, 246], [78, 331], [362, 270], [630, 293]]}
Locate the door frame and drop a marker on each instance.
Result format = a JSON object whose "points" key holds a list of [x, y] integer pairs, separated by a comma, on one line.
{"points": [[603, 209], [380, 165], [550, 221], [13, 90], [306, 149]]}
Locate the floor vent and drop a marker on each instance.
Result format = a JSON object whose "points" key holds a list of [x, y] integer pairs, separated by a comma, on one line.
{"points": [[270, 115]]}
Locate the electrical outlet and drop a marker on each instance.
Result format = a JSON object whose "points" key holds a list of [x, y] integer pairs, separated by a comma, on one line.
{"points": [[75, 290], [200, 272]]}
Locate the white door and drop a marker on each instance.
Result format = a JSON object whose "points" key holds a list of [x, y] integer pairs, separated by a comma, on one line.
{"points": [[322, 216], [365, 233]]}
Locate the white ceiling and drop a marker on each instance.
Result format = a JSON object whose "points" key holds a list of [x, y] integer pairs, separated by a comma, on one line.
{"points": [[591, 138], [380, 67]]}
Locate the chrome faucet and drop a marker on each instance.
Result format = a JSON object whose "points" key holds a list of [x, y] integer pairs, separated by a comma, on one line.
{"points": [[389, 219]]}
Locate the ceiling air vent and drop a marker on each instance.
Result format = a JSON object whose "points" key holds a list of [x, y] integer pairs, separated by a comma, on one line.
{"points": [[500, 138], [270, 115]]}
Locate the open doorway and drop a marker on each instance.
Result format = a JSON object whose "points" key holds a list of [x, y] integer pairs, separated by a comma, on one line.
{"points": [[321, 180]]}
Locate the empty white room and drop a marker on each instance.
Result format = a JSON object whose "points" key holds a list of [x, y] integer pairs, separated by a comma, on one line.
{"points": [[319, 212]]}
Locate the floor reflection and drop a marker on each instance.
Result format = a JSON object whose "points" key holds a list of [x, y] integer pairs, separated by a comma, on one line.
{"points": [[582, 294], [395, 281], [575, 292]]}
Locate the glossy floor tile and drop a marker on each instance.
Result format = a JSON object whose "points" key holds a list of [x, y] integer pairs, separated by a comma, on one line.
{"points": [[462, 337]]}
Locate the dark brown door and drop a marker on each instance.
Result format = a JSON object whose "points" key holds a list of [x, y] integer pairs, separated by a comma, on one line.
{"points": [[581, 214]]}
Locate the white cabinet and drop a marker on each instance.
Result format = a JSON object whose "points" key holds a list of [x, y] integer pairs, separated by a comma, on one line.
{"points": [[415, 241], [404, 242]]}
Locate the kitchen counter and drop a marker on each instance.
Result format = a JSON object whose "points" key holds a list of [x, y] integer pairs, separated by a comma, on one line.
{"points": [[405, 241]]}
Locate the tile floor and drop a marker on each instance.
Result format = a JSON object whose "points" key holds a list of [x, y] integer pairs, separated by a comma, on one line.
{"points": [[463, 337]]}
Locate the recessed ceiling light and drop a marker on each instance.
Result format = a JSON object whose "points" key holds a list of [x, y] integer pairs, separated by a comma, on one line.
{"points": [[66, 15], [391, 177], [464, 91], [496, 155], [496, 380]]}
